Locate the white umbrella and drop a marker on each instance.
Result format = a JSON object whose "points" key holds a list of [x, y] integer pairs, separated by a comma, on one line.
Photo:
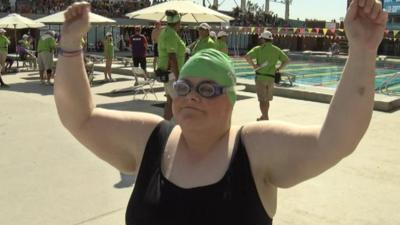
{"points": [[58, 18], [15, 21], [191, 12]]}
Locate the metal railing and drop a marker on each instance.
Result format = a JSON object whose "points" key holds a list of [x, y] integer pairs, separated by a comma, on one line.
{"points": [[384, 88]]}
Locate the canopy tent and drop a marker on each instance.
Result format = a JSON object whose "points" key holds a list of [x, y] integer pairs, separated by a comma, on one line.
{"points": [[58, 18], [191, 12]]}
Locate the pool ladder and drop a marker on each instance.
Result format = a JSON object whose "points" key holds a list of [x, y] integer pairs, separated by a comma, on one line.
{"points": [[384, 88]]}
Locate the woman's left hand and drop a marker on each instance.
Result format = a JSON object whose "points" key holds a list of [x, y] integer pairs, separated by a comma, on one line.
{"points": [[365, 24]]}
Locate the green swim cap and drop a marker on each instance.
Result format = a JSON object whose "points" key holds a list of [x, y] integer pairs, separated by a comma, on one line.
{"points": [[212, 65]]}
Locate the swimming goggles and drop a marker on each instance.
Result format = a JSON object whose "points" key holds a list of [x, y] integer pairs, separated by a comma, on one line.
{"points": [[206, 89]]}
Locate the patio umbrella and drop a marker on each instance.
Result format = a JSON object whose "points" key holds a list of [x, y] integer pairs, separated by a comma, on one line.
{"points": [[58, 18], [16, 21], [94, 19], [191, 12]]}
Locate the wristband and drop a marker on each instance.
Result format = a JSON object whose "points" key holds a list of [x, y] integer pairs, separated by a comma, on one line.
{"points": [[65, 53]]}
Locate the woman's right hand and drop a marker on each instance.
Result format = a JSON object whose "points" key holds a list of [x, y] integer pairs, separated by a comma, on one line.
{"points": [[76, 25]]}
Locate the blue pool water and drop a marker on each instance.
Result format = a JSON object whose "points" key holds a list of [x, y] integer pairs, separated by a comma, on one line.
{"points": [[320, 74]]}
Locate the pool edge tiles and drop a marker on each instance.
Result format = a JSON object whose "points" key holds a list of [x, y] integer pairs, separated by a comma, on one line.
{"points": [[382, 102]]}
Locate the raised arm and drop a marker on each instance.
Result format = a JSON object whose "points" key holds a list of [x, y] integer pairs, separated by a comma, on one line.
{"points": [[117, 137], [296, 153]]}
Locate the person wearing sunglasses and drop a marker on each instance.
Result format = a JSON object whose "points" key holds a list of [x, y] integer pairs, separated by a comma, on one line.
{"points": [[204, 169]]}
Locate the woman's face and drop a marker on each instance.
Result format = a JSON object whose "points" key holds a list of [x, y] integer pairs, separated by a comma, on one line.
{"points": [[195, 111]]}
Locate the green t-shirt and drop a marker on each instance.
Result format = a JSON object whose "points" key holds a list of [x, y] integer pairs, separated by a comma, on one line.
{"points": [[46, 44], [83, 42], [204, 43], [108, 48], [24, 43], [267, 56], [170, 42], [4, 42], [221, 45]]}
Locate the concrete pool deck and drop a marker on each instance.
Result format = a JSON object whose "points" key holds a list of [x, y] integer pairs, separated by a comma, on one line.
{"points": [[48, 178], [385, 103]]}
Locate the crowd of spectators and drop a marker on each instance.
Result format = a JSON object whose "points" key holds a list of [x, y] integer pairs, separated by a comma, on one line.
{"points": [[5, 6], [254, 16], [102, 7]]}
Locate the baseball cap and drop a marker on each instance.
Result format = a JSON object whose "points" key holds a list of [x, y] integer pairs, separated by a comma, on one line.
{"points": [[51, 32], [222, 34], [266, 35], [205, 26], [2, 30], [172, 16], [213, 34], [108, 34]]}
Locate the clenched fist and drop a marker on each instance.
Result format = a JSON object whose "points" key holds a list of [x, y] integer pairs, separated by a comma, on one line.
{"points": [[76, 25], [365, 24]]}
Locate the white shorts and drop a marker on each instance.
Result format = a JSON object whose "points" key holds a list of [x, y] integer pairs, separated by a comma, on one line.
{"points": [[45, 61]]}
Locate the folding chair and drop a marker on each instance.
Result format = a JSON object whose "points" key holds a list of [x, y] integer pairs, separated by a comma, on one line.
{"points": [[145, 86]]}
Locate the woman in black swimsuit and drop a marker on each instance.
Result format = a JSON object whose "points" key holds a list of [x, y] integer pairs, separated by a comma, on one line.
{"points": [[205, 170]]}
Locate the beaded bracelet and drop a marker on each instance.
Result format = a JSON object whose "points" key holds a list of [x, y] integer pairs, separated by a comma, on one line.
{"points": [[65, 53]]}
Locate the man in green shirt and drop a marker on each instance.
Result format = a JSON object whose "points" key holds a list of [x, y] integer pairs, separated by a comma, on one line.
{"points": [[267, 56], [204, 41], [221, 42], [4, 42], [46, 48], [171, 55]]}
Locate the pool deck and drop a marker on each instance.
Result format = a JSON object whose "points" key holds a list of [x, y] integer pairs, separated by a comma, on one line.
{"points": [[383, 102], [48, 178]]}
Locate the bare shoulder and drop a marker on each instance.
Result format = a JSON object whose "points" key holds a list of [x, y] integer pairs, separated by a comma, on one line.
{"points": [[118, 137], [256, 130], [274, 134], [270, 142]]}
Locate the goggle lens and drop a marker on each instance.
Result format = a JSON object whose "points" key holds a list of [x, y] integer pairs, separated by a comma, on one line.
{"points": [[206, 89]]}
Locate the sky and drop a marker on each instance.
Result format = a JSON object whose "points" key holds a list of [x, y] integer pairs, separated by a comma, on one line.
{"points": [[302, 9]]}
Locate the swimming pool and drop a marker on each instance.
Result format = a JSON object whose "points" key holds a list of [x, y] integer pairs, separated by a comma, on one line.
{"points": [[324, 74]]}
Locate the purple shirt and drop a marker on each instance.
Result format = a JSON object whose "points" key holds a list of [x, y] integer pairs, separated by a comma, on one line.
{"points": [[138, 44]]}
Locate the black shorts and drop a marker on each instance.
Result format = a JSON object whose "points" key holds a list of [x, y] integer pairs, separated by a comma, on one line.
{"points": [[140, 60], [155, 48]]}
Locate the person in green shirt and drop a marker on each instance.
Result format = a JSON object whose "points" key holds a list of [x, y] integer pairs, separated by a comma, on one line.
{"points": [[108, 55], [83, 43], [24, 53], [204, 41], [171, 55], [267, 56], [4, 43], [221, 42], [24, 42], [46, 48]]}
